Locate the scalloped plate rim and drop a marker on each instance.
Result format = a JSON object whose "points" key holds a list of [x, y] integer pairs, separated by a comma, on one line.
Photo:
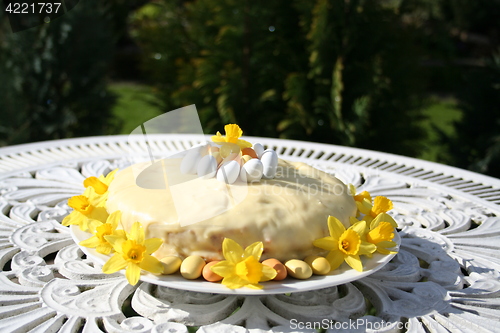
{"points": [[343, 274]]}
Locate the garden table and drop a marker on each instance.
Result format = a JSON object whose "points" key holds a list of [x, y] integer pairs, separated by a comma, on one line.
{"points": [[445, 277]]}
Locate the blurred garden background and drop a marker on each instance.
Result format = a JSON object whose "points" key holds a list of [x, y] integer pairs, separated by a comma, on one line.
{"points": [[419, 78]]}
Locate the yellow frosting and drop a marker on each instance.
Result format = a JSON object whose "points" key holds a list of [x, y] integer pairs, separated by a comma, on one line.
{"points": [[194, 215]]}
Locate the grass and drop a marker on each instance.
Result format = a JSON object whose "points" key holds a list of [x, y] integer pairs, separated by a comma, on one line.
{"points": [[135, 104], [439, 117]]}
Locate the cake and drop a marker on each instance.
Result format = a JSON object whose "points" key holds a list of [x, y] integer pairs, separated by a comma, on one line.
{"points": [[229, 210], [287, 213]]}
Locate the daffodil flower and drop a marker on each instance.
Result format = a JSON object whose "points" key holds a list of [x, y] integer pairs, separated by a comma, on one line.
{"points": [[133, 252], [381, 233], [87, 208], [242, 267], [233, 134], [100, 184], [380, 205], [98, 241], [345, 245]]}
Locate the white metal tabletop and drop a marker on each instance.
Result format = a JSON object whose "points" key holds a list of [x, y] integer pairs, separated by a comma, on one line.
{"points": [[445, 277]]}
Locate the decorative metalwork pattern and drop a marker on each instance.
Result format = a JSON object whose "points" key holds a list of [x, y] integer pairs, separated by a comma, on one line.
{"points": [[444, 279]]}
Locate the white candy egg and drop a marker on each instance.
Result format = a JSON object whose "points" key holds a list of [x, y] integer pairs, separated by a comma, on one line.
{"points": [[252, 170], [190, 160], [270, 163], [207, 167], [228, 172], [259, 149]]}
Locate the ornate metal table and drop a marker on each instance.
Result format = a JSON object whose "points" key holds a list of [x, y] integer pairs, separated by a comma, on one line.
{"points": [[444, 279]]}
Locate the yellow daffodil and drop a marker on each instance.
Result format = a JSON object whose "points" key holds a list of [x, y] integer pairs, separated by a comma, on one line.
{"points": [[100, 184], [345, 245], [380, 205], [233, 133], [361, 196], [242, 267], [98, 241], [381, 233], [87, 208], [134, 253]]}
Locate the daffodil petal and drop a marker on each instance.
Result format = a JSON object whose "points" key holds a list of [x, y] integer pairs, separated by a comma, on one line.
{"points": [[233, 282], [335, 227], [381, 205], [114, 264], [218, 138], [335, 258], [137, 233], [232, 251], [366, 248], [104, 248], [90, 242], [359, 228], [254, 249], [327, 243], [383, 217], [223, 268], [268, 273], [386, 244], [99, 214], [114, 218], [115, 241], [151, 264], [355, 262], [133, 273], [243, 144], [73, 218], [109, 177], [152, 244]]}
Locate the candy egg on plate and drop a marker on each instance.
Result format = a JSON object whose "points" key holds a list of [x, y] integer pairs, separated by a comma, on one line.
{"points": [[228, 172], [253, 170], [259, 149], [207, 166], [270, 163]]}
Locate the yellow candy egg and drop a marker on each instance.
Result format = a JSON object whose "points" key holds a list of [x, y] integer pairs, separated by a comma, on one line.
{"points": [[298, 269], [208, 274], [217, 156], [319, 265], [192, 267], [278, 267], [171, 264], [246, 158]]}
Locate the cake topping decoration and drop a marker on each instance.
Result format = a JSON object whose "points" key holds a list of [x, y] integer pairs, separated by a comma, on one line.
{"points": [[230, 159], [242, 267], [233, 134], [134, 253]]}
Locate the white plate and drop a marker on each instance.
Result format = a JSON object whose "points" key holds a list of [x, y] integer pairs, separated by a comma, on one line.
{"points": [[341, 275]]}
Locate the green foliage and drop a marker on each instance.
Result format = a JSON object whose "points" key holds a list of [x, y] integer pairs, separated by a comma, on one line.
{"points": [[478, 144], [327, 70], [135, 104], [54, 76]]}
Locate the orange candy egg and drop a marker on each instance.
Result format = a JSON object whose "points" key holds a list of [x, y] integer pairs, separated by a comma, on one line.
{"points": [[278, 267], [249, 152], [208, 274]]}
